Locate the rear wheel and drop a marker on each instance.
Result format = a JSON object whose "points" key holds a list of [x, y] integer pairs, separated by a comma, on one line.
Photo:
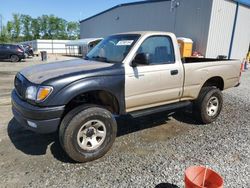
{"points": [[87, 133], [208, 105], [14, 58]]}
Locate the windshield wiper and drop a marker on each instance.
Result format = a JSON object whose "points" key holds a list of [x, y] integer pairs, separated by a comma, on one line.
{"points": [[99, 58]]}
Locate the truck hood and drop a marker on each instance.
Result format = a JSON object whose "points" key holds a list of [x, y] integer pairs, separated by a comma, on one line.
{"points": [[39, 73]]}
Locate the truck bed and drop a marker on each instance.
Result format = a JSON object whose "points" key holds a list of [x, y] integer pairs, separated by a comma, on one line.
{"points": [[198, 70], [200, 60]]}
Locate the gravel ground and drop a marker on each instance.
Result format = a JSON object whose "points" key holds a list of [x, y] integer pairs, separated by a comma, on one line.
{"points": [[148, 151]]}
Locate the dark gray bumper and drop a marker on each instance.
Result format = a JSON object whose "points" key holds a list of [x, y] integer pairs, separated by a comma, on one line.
{"points": [[37, 119]]}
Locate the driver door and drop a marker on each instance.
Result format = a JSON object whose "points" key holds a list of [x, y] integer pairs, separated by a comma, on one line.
{"points": [[156, 83]]}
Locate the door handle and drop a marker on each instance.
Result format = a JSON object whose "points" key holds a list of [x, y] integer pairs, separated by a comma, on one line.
{"points": [[174, 72]]}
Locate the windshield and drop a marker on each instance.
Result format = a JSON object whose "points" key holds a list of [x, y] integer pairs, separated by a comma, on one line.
{"points": [[113, 49]]}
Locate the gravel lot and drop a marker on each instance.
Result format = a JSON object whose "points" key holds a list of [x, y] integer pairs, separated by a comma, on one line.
{"points": [[149, 151]]}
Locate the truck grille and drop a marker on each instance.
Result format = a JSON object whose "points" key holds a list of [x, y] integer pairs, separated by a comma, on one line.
{"points": [[19, 86]]}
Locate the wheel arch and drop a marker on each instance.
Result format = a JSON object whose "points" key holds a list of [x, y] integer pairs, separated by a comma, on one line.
{"points": [[215, 81], [100, 97], [106, 87]]}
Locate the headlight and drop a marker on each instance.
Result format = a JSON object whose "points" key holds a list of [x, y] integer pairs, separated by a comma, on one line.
{"points": [[38, 94], [31, 93], [43, 92]]}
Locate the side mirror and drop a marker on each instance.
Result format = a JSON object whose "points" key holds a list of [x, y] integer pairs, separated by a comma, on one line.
{"points": [[141, 59]]}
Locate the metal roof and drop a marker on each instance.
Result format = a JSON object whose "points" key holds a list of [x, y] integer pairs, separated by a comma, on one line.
{"points": [[82, 42], [243, 2], [123, 5]]}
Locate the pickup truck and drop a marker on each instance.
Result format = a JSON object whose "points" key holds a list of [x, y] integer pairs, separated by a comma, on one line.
{"points": [[135, 73]]}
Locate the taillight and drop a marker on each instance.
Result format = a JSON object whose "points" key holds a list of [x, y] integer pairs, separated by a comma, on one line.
{"points": [[19, 50], [241, 70]]}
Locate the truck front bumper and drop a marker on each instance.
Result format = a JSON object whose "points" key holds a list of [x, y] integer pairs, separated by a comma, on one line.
{"points": [[37, 119]]}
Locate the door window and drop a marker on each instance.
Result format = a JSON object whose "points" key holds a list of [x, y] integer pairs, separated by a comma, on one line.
{"points": [[3, 47], [7, 47], [160, 49]]}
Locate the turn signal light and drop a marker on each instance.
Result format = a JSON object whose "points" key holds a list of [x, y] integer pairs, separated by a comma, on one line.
{"points": [[43, 93]]}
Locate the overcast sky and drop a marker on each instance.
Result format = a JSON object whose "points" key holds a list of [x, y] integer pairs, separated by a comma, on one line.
{"points": [[71, 10]]}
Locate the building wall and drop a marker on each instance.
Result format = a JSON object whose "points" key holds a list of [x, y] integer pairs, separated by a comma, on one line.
{"points": [[192, 21], [221, 28], [241, 40], [209, 23], [149, 16], [51, 46], [184, 18]]}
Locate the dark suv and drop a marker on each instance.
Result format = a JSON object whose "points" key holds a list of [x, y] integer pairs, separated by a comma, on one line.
{"points": [[11, 51]]}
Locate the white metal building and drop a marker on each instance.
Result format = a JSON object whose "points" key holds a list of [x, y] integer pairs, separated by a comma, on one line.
{"points": [[217, 27], [51, 46], [81, 47]]}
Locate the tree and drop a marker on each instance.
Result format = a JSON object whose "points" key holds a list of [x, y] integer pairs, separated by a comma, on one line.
{"points": [[61, 29], [35, 29], [16, 26], [73, 30], [52, 26], [43, 22], [26, 26], [4, 37], [57, 28], [10, 29]]}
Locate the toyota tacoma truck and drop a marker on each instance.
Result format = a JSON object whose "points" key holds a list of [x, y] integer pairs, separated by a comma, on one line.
{"points": [[136, 73]]}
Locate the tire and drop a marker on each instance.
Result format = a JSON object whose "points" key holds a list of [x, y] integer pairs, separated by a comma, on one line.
{"points": [[14, 58], [87, 133], [208, 105]]}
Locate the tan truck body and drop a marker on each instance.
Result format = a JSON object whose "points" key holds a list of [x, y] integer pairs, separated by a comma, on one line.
{"points": [[153, 85]]}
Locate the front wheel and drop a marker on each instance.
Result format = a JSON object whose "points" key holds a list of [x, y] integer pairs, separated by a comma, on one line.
{"points": [[87, 133], [208, 105]]}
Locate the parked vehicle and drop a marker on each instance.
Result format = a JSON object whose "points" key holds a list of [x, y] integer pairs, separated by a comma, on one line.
{"points": [[11, 51], [137, 73], [28, 50]]}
